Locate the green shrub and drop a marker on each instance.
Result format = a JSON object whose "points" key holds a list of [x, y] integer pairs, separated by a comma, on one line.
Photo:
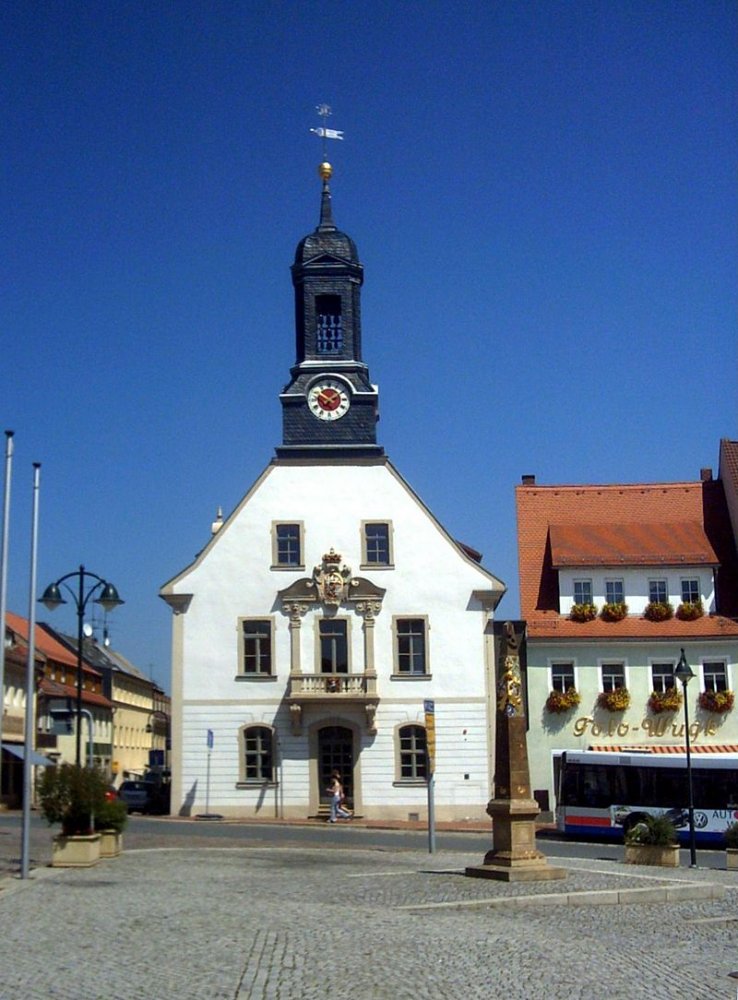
{"points": [[658, 831], [111, 816], [71, 795]]}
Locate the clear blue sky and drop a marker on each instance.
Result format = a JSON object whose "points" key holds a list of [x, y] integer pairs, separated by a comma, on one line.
{"points": [[543, 196]]}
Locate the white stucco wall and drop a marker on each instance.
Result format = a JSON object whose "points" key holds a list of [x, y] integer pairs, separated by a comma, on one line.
{"points": [[635, 585], [430, 577]]}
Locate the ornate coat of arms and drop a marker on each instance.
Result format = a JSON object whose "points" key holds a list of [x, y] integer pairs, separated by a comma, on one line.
{"points": [[331, 579]]}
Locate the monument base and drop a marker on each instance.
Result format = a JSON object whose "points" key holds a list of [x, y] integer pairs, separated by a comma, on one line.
{"points": [[525, 871], [515, 857]]}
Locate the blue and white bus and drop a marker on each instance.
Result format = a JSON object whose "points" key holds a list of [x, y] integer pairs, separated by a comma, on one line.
{"points": [[603, 794]]}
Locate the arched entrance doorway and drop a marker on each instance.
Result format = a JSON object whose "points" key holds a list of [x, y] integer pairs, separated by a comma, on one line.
{"points": [[336, 753]]}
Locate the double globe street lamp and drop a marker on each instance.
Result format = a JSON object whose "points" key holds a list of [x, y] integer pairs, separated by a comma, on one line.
{"points": [[107, 598]]}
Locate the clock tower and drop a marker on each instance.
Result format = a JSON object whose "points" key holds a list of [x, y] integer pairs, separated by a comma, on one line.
{"points": [[329, 408]]}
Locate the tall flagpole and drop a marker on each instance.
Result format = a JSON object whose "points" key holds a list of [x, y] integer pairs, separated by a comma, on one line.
{"points": [[30, 679], [4, 579]]}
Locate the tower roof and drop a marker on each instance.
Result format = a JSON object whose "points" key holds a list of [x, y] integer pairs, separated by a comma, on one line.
{"points": [[326, 238]]}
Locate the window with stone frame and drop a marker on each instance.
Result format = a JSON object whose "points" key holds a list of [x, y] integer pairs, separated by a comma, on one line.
{"points": [[333, 637], [376, 543], [662, 676], [690, 590], [715, 675], [257, 754], [411, 658], [613, 676], [413, 753], [287, 545], [582, 591], [562, 676], [614, 592], [658, 591], [256, 646]]}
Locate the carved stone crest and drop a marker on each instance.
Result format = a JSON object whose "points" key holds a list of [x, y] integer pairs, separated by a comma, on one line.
{"points": [[331, 579]]}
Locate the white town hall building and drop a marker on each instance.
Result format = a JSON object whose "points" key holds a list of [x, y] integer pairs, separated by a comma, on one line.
{"points": [[330, 606]]}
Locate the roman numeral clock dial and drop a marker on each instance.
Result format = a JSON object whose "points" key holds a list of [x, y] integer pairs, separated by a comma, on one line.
{"points": [[328, 400]]}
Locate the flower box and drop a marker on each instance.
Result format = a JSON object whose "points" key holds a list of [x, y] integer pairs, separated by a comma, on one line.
{"points": [[563, 701], [614, 701], [652, 854], [665, 701], [82, 851], [689, 611], [658, 611], [111, 843], [731, 858], [614, 611], [583, 612], [718, 702]]}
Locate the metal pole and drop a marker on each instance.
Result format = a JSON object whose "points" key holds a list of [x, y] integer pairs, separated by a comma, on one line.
{"points": [[431, 815], [80, 637], [4, 580], [692, 847], [30, 680]]}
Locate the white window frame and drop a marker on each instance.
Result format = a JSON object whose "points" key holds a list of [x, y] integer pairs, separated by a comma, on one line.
{"points": [[284, 566], [688, 580], [252, 675], [662, 661], [657, 581], [615, 581], [365, 562], [582, 581], [561, 662], [722, 661], [243, 780], [399, 779], [612, 661], [397, 674]]}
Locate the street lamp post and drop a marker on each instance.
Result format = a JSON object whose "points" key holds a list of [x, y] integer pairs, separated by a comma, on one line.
{"points": [[684, 673], [108, 599]]}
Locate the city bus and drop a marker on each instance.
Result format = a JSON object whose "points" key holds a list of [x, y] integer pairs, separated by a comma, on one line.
{"points": [[603, 794]]}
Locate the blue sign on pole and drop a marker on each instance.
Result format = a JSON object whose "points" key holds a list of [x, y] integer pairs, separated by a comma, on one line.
{"points": [[210, 739]]}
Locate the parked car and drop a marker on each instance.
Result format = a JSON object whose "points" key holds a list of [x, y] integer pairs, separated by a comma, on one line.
{"points": [[139, 796]]}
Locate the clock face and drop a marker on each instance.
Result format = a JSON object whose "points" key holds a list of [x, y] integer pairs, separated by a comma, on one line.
{"points": [[328, 399]]}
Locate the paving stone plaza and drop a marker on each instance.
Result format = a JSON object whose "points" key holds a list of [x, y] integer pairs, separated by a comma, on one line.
{"points": [[234, 923]]}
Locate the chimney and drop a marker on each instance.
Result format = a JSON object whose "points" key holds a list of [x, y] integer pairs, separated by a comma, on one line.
{"points": [[529, 480], [217, 523], [706, 475]]}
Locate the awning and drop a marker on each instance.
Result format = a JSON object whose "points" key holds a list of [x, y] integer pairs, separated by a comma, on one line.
{"points": [[722, 748], [18, 750]]}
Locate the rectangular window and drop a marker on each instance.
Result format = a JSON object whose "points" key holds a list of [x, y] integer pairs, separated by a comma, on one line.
{"points": [[613, 676], [715, 676], [658, 592], [562, 676], [690, 591], [329, 332], [413, 763], [258, 764], [376, 543], [614, 592], [582, 591], [287, 544], [257, 646], [410, 638], [333, 646], [662, 676]]}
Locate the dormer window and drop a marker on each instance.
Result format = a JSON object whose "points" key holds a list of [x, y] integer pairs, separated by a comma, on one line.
{"points": [[690, 590], [582, 591], [329, 333]]}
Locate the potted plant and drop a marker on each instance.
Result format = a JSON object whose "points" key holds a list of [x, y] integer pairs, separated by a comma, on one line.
{"points": [[688, 611], [71, 795], [731, 845], [583, 612], [616, 700], [563, 701], [658, 611], [669, 700], [614, 611], [110, 819], [717, 702], [652, 841]]}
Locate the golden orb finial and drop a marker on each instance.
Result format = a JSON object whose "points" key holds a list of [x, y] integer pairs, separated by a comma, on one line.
{"points": [[325, 170]]}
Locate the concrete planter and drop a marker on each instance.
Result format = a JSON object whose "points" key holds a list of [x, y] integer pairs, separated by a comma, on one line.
{"points": [[111, 843], [651, 854], [75, 852], [731, 854]]}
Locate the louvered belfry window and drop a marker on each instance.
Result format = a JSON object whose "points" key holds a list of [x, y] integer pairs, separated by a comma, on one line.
{"points": [[329, 338]]}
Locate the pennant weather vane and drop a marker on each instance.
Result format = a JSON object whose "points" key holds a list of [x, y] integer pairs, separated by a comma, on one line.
{"points": [[322, 130]]}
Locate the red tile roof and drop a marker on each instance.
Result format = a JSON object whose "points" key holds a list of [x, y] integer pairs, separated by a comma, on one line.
{"points": [[618, 517], [53, 689], [47, 644], [630, 545]]}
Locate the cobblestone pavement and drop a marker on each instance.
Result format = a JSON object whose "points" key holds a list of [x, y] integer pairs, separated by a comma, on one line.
{"points": [[296, 924]]}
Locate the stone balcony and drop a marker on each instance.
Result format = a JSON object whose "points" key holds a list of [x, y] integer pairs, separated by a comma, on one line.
{"points": [[333, 689]]}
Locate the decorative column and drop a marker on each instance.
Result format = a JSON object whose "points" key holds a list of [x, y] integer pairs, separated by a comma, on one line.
{"points": [[514, 857], [369, 609], [295, 610]]}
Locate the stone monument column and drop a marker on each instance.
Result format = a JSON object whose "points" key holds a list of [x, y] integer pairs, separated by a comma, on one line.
{"points": [[514, 857]]}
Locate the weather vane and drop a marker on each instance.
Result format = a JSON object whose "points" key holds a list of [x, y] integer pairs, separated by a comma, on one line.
{"points": [[324, 132]]}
